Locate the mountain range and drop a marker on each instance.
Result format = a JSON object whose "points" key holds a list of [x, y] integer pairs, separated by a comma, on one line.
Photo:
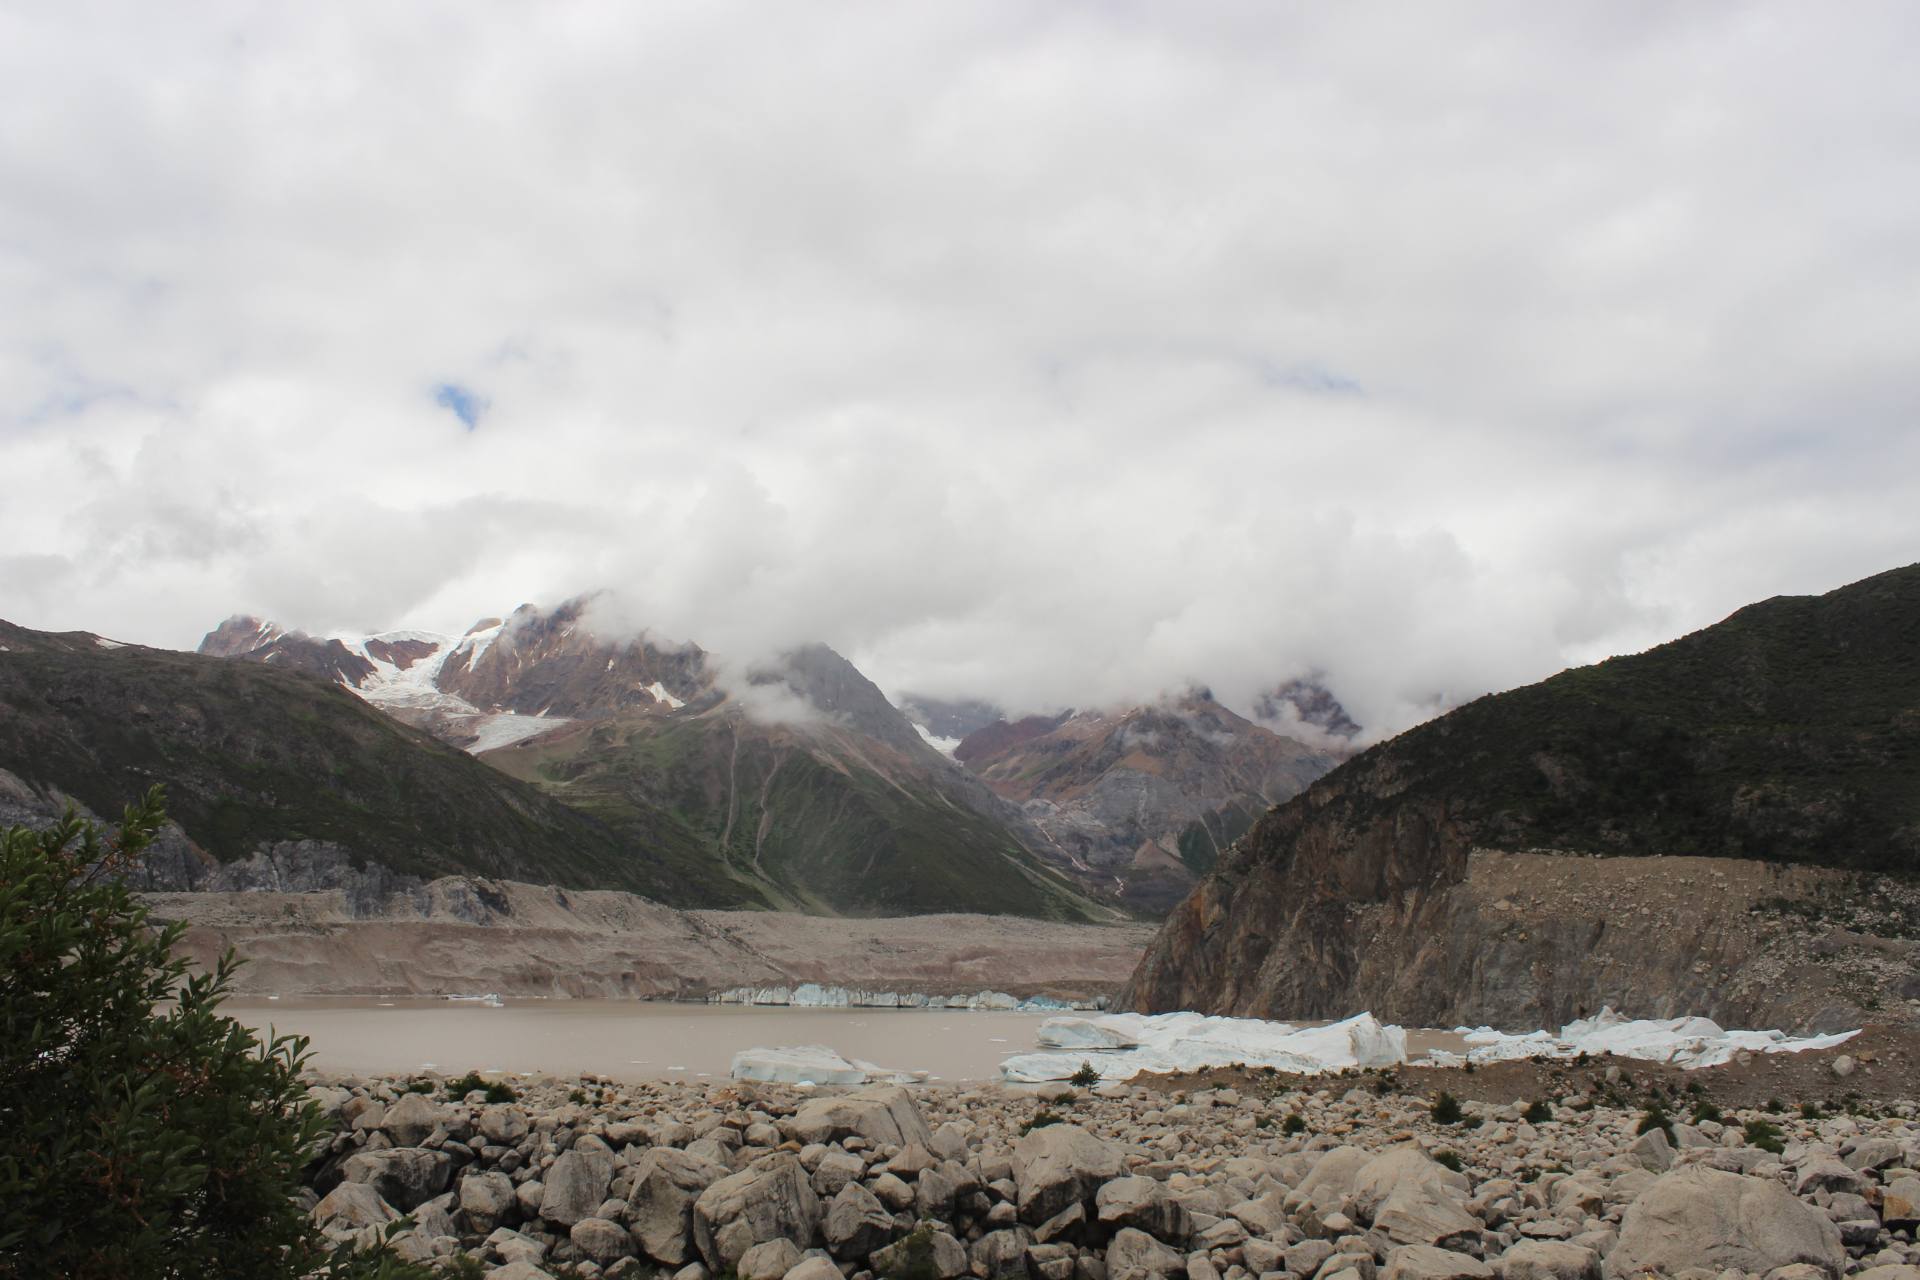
{"points": [[793, 784]]}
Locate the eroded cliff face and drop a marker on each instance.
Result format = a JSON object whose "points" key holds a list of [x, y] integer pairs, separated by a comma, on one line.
{"points": [[1752, 790], [1406, 919]]}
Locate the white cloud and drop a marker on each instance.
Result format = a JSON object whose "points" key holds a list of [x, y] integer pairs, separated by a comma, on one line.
{"points": [[1057, 353]]}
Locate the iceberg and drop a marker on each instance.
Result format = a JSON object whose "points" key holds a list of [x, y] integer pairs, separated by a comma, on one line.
{"points": [[1194, 1042], [1690, 1043], [813, 1064], [814, 995]]}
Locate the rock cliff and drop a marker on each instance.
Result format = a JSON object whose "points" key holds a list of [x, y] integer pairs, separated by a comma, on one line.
{"points": [[1772, 757]]}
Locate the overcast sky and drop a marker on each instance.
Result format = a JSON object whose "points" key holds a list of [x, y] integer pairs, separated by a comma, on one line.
{"points": [[1054, 352]]}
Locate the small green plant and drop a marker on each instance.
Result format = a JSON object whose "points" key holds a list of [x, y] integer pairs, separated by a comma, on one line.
{"points": [[1446, 1109], [1704, 1110], [496, 1090], [1293, 1124], [1809, 1111], [1763, 1134], [1655, 1117], [463, 1266], [1041, 1119], [1775, 1105], [419, 1086], [1085, 1078], [912, 1258], [1447, 1160], [578, 1097], [1537, 1112]]}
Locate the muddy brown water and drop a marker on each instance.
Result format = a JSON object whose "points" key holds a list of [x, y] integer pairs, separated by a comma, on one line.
{"points": [[628, 1040], [633, 1040]]}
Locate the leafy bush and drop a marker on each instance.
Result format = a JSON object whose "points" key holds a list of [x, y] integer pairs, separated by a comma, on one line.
{"points": [[912, 1257], [1765, 1135], [1537, 1112], [496, 1090], [1446, 1109], [1655, 1117], [1809, 1111], [142, 1133], [1447, 1160], [1293, 1124], [1086, 1077], [1704, 1110]]}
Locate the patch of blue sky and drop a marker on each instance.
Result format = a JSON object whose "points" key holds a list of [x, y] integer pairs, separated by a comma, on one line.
{"points": [[466, 404]]}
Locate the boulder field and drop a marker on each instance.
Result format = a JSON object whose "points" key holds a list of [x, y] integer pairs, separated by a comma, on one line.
{"points": [[1347, 1180]]}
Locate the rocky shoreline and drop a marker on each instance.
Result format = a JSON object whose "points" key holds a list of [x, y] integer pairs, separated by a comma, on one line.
{"points": [[1605, 1168]]}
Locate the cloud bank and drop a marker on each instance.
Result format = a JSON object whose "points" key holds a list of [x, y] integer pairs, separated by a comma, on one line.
{"points": [[1058, 353]]}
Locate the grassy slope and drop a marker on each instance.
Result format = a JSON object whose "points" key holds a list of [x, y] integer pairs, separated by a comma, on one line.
{"points": [[250, 753], [1789, 732], [802, 817]]}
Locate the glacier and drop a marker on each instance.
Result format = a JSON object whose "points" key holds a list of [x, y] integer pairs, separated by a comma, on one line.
{"points": [[814, 995], [1121, 1046]]}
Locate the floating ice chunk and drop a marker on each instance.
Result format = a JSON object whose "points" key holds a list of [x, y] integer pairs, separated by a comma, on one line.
{"points": [[1195, 1042], [813, 1064], [1691, 1042], [1083, 1033]]}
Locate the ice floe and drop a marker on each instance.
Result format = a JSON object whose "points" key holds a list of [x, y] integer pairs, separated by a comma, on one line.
{"points": [[1684, 1042], [814, 995], [1121, 1046], [813, 1064], [1194, 1042]]}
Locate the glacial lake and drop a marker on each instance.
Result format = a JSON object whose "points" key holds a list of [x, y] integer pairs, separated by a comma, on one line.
{"points": [[625, 1039], [635, 1040]]}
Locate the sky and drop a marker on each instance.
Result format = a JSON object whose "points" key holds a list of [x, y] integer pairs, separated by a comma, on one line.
{"points": [[1059, 353]]}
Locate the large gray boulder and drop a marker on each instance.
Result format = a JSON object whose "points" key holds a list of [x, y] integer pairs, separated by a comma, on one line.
{"points": [[410, 1121], [485, 1200], [1425, 1262], [576, 1185], [770, 1199], [405, 1177], [353, 1204], [604, 1241], [857, 1223], [1548, 1260], [1135, 1255], [1058, 1166], [1701, 1217], [1412, 1200], [1330, 1182], [929, 1251], [885, 1115], [666, 1182], [1142, 1203]]}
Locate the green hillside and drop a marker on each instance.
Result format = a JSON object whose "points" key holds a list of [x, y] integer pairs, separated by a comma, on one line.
{"points": [[253, 754], [1788, 732], [816, 819]]}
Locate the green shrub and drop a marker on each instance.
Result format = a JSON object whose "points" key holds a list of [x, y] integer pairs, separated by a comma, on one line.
{"points": [[913, 1257], [1765, 1135], [496, 1090], [1655, 1117], [1293, 1124], [1448, 1160], [1085, 1078], [1537, 1112], [1446, 1109], [142, 1132], [1704, 1110], [1809, 1111]]}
